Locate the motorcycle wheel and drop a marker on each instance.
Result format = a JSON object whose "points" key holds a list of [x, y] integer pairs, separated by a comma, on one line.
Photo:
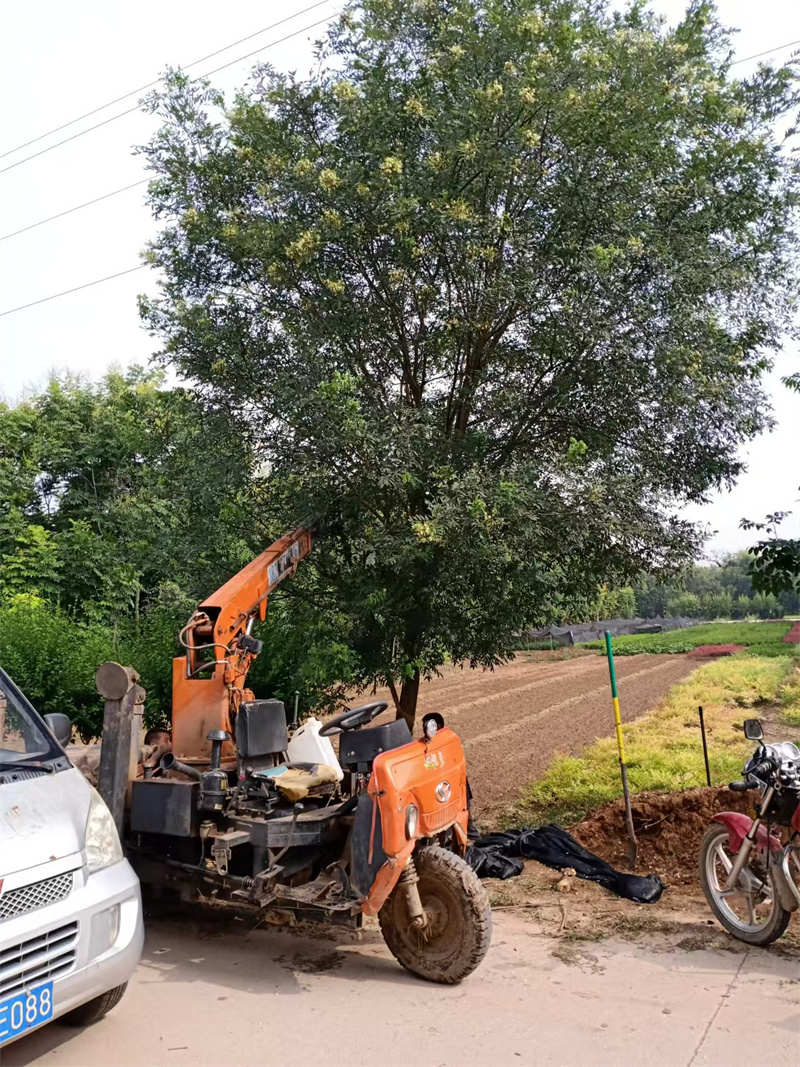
{"points": [[459, 919], [752, 912]]}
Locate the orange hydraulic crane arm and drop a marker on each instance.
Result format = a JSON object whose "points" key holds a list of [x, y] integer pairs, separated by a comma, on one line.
{"points": [[208, 683]]}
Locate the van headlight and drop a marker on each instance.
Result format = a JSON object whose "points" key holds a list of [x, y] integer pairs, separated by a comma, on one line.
{"points": [[101, 842], [412, 817]]}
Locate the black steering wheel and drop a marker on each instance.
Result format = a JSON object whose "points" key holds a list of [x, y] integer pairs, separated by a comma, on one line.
{"points": [[353, 719]]}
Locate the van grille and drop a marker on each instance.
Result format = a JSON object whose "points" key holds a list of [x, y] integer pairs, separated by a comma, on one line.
{"points": [[37, 895], [39, 959]]}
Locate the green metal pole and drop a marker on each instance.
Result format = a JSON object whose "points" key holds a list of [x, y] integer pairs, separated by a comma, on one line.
{"points": [[623, 767]]}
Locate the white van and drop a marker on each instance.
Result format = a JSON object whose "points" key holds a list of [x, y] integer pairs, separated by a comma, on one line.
{"points": [[70, 907]]}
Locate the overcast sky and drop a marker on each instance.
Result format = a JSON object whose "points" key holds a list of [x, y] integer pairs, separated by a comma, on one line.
{"points": [[60, 60]]}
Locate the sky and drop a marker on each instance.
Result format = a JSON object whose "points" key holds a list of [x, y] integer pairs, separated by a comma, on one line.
{"points": [[58, 61]]}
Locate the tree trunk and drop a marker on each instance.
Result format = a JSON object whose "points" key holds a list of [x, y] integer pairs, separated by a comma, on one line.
{"points": [[407, 704]]}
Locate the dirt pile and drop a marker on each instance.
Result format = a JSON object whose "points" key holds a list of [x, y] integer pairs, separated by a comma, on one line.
{"points": [[712, 651], [669, 828]]}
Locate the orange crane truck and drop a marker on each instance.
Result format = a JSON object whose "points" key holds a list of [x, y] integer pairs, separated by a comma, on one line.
{"points": [[235, 811]]}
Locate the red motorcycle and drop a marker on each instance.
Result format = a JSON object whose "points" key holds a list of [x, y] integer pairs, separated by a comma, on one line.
{"points": [[750, 868]]}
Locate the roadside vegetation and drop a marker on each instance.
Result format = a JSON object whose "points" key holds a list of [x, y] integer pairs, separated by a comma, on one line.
{"points": [[760, 638], [664, 749]]}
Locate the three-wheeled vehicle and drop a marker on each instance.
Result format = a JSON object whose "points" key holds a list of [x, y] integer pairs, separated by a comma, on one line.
{"points": [[232, 809]]}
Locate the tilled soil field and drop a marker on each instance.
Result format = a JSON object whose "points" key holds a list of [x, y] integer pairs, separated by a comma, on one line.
{"points": [[513, 720]]}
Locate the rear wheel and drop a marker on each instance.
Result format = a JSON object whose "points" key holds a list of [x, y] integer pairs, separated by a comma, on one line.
{"points": [[751, 911], [459, 919], [93, 1010]]}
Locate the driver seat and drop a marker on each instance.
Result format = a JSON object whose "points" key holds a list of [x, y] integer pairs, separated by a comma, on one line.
{"points": [[262, 737], [358, 748]]}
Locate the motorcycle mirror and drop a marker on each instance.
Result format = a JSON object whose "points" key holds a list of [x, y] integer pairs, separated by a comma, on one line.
{"points": [[753, 730]]}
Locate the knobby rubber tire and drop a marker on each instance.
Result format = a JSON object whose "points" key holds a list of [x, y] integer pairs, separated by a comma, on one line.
{"points": [[95, 1009], [778, 920], [459, 902]]}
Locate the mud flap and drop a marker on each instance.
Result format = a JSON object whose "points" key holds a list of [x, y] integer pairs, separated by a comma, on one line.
{"points": [[366, 845]]}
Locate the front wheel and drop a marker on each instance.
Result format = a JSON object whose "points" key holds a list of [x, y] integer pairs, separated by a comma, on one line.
{"points": [[95, 1009], [751, 911], [459, 919]]}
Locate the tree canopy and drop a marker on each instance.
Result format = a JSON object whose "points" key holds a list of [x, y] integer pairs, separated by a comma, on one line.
{"points": [[494, 290]]}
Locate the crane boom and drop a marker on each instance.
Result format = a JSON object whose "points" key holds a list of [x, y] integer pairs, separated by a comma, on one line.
{"points": [[208, 683]]}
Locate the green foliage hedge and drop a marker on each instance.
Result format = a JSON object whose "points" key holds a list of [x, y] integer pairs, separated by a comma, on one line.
{"points": [[764, 634]]}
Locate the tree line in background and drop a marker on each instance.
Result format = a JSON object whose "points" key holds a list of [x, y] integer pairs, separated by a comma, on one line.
{"points": [[720, 590], [122, 505]]}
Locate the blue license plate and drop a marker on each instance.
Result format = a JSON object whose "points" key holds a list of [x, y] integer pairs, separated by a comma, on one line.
{"points": [[24, 1011]]}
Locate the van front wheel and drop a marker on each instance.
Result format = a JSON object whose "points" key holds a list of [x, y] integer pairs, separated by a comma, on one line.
{"points": [[93, 1010]]}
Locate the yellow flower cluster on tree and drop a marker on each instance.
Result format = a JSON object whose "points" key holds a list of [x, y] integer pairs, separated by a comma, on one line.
{"points": [[531, 23], [304, 247], [415, 107], [493, 92], [332, 219], [458, 211], [335, 286], [303, 167], [345, 92], [391, 167], [329, 179]]}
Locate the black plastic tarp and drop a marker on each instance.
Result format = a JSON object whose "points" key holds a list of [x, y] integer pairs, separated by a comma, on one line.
{"points": [[501, 855]]}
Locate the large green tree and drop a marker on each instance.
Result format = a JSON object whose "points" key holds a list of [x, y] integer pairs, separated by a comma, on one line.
{"points": [[494, 289]]}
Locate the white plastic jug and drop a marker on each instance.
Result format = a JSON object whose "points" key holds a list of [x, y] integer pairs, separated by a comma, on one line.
{"points": [[306, 746]]}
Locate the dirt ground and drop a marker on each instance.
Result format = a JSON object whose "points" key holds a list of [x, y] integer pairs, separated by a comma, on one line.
{"points": [[215, 993], [669, 829], [513, 720]]}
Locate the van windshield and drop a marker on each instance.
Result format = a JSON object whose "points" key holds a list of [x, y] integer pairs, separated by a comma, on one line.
{"points": [[22, 736]]}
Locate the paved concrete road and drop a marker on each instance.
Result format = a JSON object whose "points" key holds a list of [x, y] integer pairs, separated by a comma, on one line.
{"points": [[207, 995]]}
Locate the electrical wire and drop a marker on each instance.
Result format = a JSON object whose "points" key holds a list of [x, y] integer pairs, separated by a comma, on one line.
{"points": [[768, 52], [77, 207], [130, 110], [143, 181], [74, 289], [149, 85]]}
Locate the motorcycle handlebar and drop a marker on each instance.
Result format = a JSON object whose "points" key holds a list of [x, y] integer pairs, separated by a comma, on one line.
{"points": [[765, 767], [760, 770]]}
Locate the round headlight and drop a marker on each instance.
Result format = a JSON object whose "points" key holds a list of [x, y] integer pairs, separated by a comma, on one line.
{"points": [[412, 818]]}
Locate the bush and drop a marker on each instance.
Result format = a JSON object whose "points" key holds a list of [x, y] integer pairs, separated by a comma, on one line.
{"points": [[52, 658]]}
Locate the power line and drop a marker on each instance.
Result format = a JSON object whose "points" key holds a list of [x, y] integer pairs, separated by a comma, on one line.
{"points": [[77, 207], [768, 52], [143, 181], [149, 85], [74, 289], [130, 110]]}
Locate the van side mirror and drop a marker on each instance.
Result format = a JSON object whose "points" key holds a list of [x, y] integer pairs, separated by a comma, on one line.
{"points": [[60, 727], [753, 730]]}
